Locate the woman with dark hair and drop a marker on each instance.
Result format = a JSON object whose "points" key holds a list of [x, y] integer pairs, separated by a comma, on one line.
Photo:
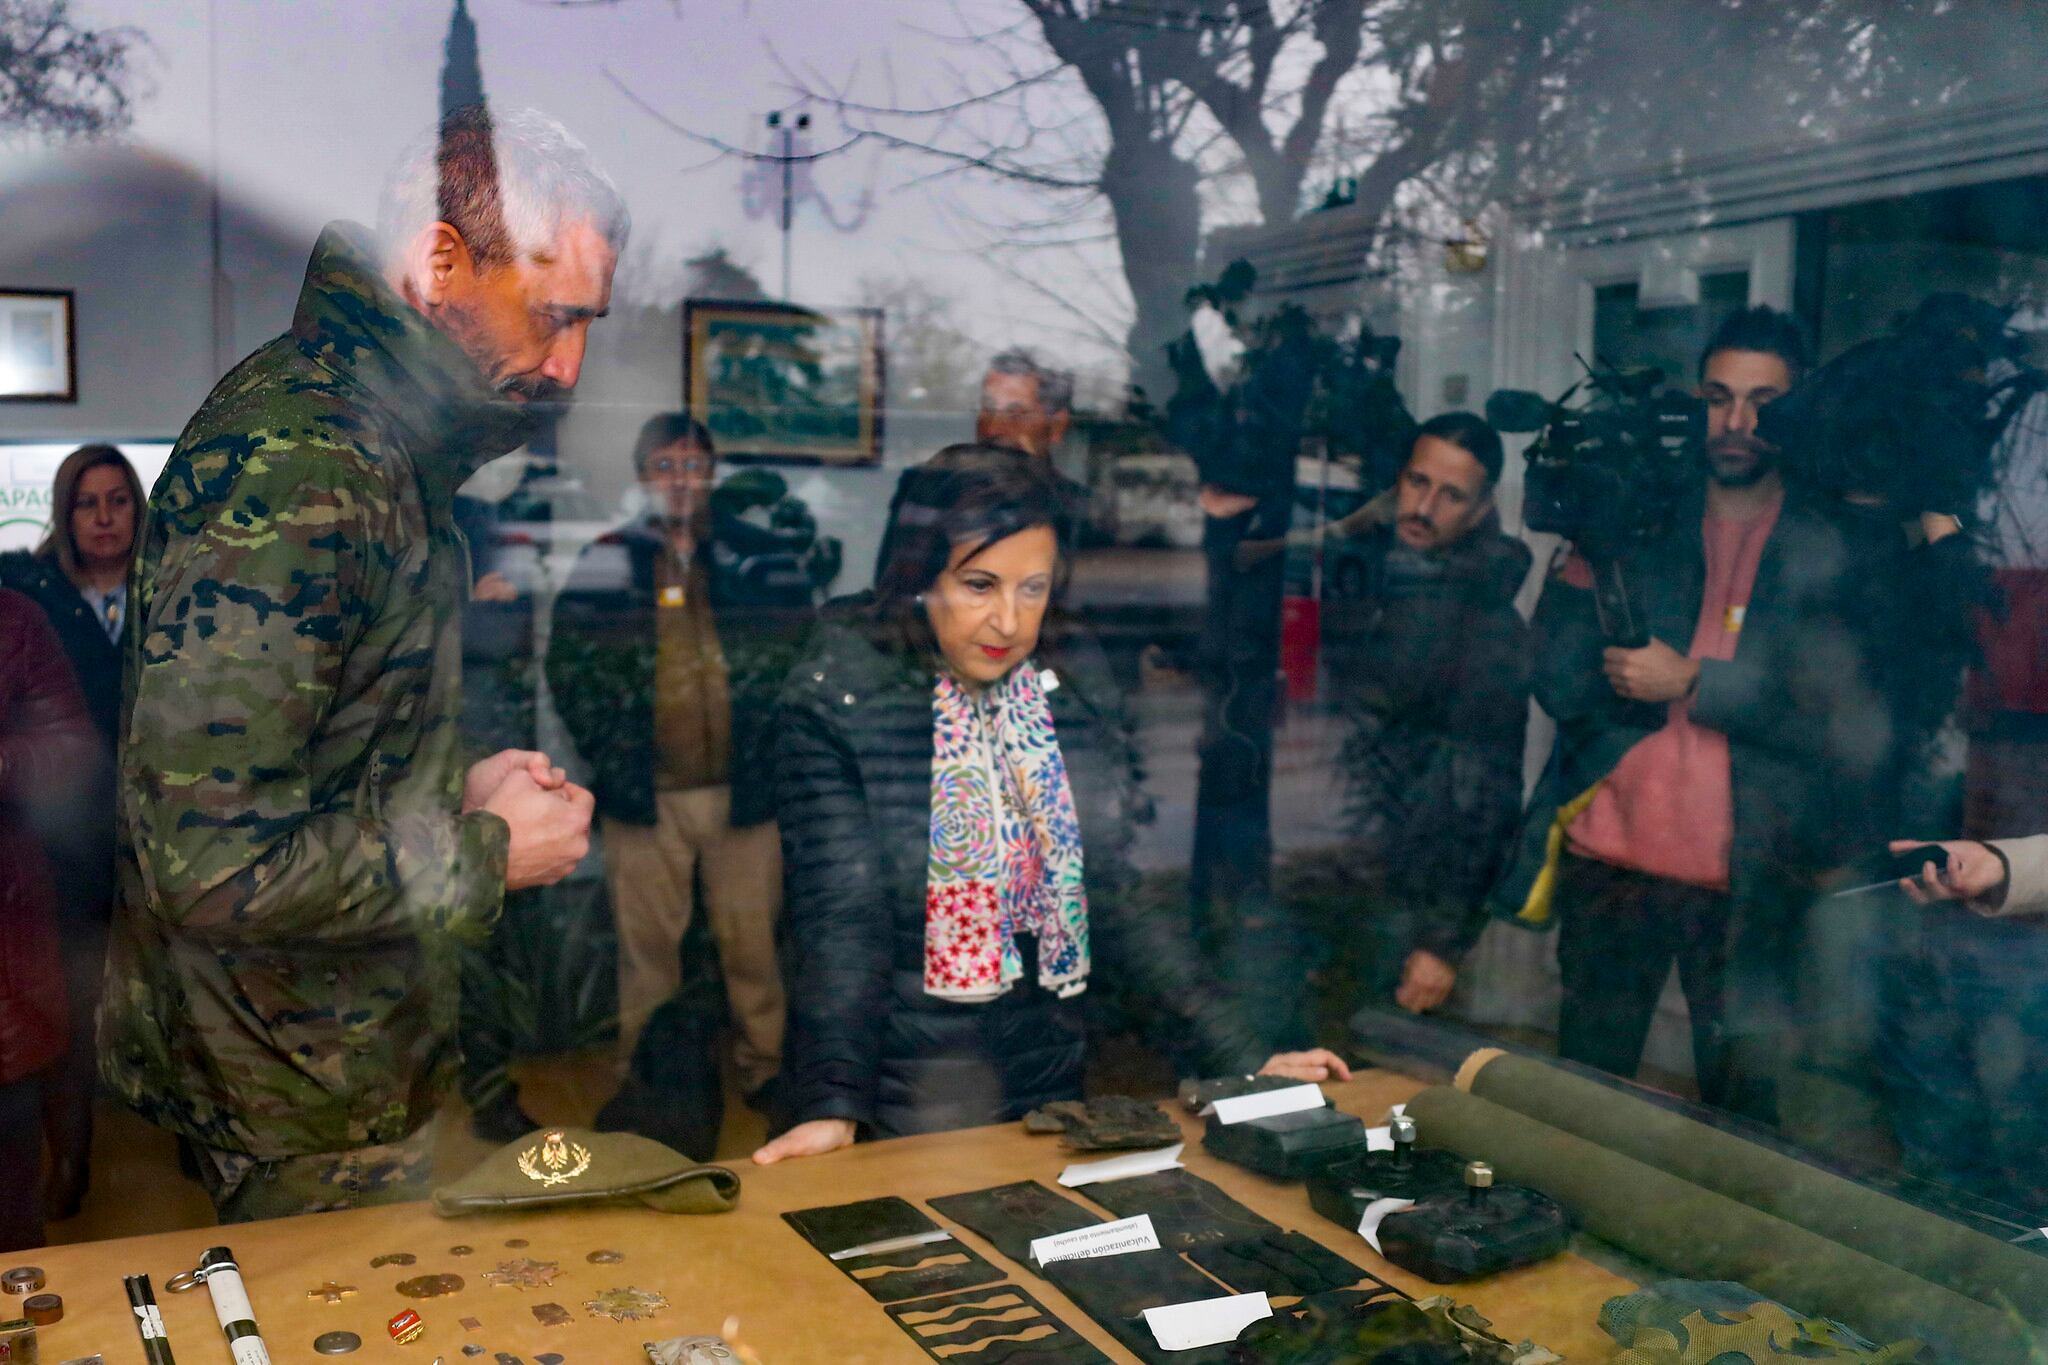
{"points": [[79, 577], [955, 790]]}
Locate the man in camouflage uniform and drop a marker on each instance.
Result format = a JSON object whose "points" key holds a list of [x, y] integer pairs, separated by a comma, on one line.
{"points": [[304, 845]]}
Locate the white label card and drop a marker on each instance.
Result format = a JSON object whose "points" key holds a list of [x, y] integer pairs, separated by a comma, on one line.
{"points": [[1122, 1167], [1380, 1139], [1376, 1213], [1205, 1322], [1267, 1103], [1104, 1239]]}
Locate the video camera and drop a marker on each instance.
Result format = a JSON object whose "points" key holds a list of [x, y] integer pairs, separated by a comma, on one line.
{"points": [[1608, 472]]}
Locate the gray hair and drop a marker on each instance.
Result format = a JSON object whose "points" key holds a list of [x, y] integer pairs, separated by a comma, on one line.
{"points": [[1055, 387], [506, 179]]}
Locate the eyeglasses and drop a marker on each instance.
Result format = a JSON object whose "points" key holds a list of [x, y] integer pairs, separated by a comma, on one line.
{"points": [[661, 464]]}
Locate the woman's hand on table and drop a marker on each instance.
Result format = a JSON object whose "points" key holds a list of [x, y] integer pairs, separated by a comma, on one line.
{"points": [[815, 1138], [1316, 1064]]}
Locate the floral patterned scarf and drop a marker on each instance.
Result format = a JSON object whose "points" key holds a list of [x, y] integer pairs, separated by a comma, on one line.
{"points": [[1005, 844]]}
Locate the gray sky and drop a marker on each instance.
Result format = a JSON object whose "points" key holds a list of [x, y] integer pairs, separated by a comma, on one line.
{"points": [[310, 100]]}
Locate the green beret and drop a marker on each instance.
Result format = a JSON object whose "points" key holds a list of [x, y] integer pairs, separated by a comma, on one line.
{"points": [[555, 1167]]}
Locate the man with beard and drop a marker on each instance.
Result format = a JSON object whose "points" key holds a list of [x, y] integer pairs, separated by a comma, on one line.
{"points": [[304, 848], [1690, 794], [1430, 663]]}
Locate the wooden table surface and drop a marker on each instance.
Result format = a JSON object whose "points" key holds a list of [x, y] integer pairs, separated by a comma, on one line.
{"points": [[794, 1307]]}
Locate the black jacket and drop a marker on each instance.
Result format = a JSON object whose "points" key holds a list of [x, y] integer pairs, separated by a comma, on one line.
{"points": [[853, 777], [1805, 725], [601, 658], [1435, 684]]}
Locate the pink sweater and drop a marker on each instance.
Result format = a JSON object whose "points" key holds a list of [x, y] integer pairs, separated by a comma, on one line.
{"points": [[1668, 808]]}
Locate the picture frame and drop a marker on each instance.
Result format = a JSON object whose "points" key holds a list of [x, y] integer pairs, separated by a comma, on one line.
{"points": [[38, 346], [777, 383]]}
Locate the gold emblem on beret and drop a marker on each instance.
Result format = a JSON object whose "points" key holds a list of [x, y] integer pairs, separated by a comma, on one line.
{"points": [[555, 1160]]}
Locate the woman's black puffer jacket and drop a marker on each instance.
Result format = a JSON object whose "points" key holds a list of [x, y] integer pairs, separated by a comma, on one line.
{"points": [[853, 782]]}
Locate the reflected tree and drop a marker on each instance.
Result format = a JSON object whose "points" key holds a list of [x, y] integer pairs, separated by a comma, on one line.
{"points": [[1208, 113], [933, 363], [61, 78]]}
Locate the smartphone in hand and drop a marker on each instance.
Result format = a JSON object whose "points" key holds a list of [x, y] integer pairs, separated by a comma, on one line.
{"points": [[1909, 863], [1904, 866]]}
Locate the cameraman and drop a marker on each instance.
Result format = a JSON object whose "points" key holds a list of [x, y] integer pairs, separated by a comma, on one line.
{"points": [[1691, 782]]}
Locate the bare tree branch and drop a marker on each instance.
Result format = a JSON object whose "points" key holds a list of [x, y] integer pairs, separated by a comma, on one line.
{"points": [[60, 79], [705, 139]]}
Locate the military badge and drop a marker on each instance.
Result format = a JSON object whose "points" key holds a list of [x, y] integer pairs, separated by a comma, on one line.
{"points": [[524, 1273], [626, 1305], [554, 1160], [406, 1327]]}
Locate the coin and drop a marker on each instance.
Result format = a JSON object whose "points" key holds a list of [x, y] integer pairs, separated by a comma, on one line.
{"points": [[547, 1358], [336, 1343], [605, 1257], [460, 1250], [516, 1243], [430, 1286]]}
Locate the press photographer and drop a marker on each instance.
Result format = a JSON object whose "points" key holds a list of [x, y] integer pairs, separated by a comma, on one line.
{"points": [[1948, 1031], [1682, 815]]}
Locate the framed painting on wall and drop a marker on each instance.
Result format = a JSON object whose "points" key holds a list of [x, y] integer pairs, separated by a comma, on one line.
{"points": [[38, 347], [776, 382]]}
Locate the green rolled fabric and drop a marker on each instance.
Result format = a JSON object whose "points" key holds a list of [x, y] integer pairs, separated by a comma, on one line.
{"points": [[1697, 1234], [1870, 1221]]}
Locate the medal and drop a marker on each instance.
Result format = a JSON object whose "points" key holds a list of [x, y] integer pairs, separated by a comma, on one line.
{"points": [[524, 1273], [626, 1304]]}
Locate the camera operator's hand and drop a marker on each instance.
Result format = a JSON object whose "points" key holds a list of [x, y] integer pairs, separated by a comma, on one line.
{"points": [[1426, 982], [1654, 673], [1975, 873], [1221, 503]]}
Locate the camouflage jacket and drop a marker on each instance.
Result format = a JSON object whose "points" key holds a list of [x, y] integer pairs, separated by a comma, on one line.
{"points": [[294, 869]]}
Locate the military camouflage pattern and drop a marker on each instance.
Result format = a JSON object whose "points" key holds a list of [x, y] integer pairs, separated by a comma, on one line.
{"points": [[295, 874], [245, 1189], [1718, 1322]]}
